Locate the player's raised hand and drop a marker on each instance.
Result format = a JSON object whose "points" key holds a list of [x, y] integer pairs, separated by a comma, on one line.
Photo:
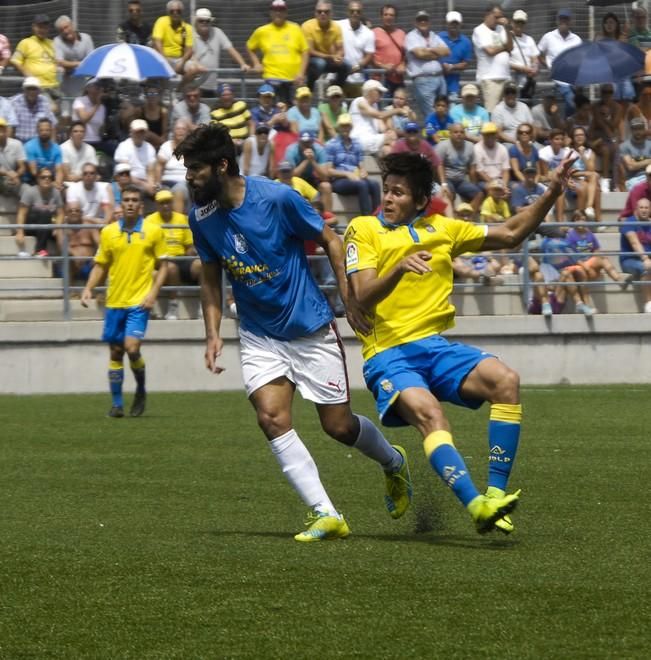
{"points": [[560, 176], [214, 347], [416, 263]]}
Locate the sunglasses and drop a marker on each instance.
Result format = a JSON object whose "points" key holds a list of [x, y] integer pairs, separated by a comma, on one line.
{"points": [[45, 177], [323, 11], [524, 132], [203, 20], [124, 173], [176, 11]]}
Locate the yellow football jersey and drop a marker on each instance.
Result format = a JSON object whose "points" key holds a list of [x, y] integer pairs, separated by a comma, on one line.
{"points": [[178, 239], [419, 306], [131, 257]]}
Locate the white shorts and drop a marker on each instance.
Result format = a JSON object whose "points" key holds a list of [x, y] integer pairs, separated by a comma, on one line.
{"points": [[315, 364]]}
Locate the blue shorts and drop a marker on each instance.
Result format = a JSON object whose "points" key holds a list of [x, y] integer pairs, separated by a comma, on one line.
{"points": [[121, 322], [432, 363]]}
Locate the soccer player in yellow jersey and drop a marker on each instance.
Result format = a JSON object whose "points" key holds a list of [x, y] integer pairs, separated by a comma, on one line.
{"points": [[128, 253], [399, 265]]}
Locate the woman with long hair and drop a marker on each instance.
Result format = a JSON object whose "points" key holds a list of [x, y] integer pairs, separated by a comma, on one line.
{"points": [[586, 178]]}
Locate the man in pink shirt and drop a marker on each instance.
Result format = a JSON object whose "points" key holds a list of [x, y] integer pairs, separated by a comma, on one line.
{"points": [[390, 48], [639, 191]]}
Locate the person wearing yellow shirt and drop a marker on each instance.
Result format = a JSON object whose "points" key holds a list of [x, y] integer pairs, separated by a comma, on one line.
{"points": [[399, 266], [129, 252], [34, 55], [301, 186], [326, 42], [179, 242], [495, 208], [172, 37], [284, 50]]}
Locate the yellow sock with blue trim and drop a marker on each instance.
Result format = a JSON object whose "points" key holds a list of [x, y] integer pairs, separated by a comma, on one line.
{"points": [[116, 378], [503, 439], [449, 465], [138, 368]]}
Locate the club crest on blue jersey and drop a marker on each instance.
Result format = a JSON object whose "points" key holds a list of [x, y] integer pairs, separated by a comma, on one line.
{"points": [[241, 246]]}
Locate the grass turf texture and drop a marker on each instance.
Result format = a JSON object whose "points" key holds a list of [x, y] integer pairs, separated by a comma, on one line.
{"points": [[170, 536]]}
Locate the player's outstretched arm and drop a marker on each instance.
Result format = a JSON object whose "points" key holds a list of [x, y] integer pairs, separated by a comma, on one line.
{"points": [[510, 233], [96, 277], [211, 302]]}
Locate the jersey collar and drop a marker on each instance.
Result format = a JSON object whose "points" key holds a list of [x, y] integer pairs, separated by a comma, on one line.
{"points": [[136, 228]]}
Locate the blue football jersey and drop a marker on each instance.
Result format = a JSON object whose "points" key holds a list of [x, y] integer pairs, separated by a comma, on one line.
{"points": [[260, 245]]}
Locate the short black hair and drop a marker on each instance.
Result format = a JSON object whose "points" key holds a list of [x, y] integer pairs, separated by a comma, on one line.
{"points": [[210, 143], [416, 169], [441, 97], [132, 188], [44, 120], [77, 123]]}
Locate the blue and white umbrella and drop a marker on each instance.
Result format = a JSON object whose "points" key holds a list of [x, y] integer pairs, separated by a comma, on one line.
{"points": [[126, 62]]}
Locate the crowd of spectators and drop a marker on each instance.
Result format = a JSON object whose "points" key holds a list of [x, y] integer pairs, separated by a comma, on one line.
{"points": [[335, 91]]}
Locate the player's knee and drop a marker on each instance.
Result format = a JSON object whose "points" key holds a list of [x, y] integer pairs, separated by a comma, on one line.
{"points": [[274, 423], [507, 387]]}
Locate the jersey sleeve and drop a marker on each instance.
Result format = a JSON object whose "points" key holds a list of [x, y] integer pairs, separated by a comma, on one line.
{"points": [[466, 237], [158, 31], [360, 246], [103, 254], [299, 217]]}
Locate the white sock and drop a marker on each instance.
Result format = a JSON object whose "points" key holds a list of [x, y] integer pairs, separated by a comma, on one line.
{"points": [[300, 469], [373, 444]]}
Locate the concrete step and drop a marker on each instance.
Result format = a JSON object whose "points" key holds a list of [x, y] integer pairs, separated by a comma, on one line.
{"points": [[30, 287], [8, 245], [16, 268], [46, 310]]}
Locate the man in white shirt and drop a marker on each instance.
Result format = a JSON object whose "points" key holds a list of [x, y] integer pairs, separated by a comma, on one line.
{"points": [[93, 196], [509, 113], [524, 56], [75, 153], [552, 44], [493, 44], [359, 47], [140, 155], [424, 51]]}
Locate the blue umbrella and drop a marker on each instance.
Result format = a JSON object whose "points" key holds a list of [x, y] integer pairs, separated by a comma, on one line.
{"points": [[603, 61], [126, 62]]}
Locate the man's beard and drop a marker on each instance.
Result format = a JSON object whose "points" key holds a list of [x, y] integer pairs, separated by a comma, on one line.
{"points": [[212, 190]]}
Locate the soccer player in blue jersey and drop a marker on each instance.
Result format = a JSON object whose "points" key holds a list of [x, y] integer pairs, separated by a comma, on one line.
{"points": [[129, 252], [255, 229], [399, 266]]}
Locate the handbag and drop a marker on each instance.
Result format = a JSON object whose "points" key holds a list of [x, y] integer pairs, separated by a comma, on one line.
{"points": [[528, 90]]}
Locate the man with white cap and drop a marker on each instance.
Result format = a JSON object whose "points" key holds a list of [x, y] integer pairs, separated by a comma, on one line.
{"points": [[140, 155], [30, 106], [524, 56], [208, 44], [460, 56], [424, 51]]}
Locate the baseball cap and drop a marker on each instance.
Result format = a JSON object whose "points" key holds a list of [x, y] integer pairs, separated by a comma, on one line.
{"points": [[41, 19], [495, 183], [530, 168], [139, 125], [470, 90], [278, 4], [519, 15], [302, 92], [564, 13], [224, 87], [262, 128], [464, 207], [334, 90], [164, 196], [266, 89], [122, 167], [636, 122], [344, 119], [453, 17], [307, 136], [285, 166], [373, 84], [422, 14], [412, 127], [3, 122], [488, 127], [510, 88], [31, 81], [205, 14]]}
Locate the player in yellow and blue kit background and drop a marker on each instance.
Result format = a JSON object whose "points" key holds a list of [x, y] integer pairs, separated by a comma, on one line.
{"points": [[128, 253], [399, 265]]}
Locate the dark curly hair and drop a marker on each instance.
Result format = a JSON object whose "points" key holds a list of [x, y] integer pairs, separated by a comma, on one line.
{"points": [[416, 169], [210, 143]]}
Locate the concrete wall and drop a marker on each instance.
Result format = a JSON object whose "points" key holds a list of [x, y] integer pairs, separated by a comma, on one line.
{"points": [[59, 357]]}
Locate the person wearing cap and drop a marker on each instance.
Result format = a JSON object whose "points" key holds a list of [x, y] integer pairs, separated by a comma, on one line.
{"points": [[178, 241], [424, 51], [285, 172], [469, 113], [524, 60], [76, 152], [134, 30], [461, 53], [491, 157], [414, 142], [346, 168], [209, 42], [140, 155], [12, 161], [121, 179], [400, 272], [493, 44], [255, 229], [268, 112], [330, 109], [390, 48], [310, 162], [169, 170], [635, 153], [191, 108], [42, 151], [70, 48], [132, 256], [232, 113], [34, 56], [258, 153], [528, 190], [94, 197], [303, 116], [495, 208], [509, 113], [326, 44], [173, 38], [284, 52], [370, 123], [359, 47], [551, 45]]}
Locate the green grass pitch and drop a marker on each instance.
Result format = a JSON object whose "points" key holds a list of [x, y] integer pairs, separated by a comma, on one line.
{"points": [[170, 536]]}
